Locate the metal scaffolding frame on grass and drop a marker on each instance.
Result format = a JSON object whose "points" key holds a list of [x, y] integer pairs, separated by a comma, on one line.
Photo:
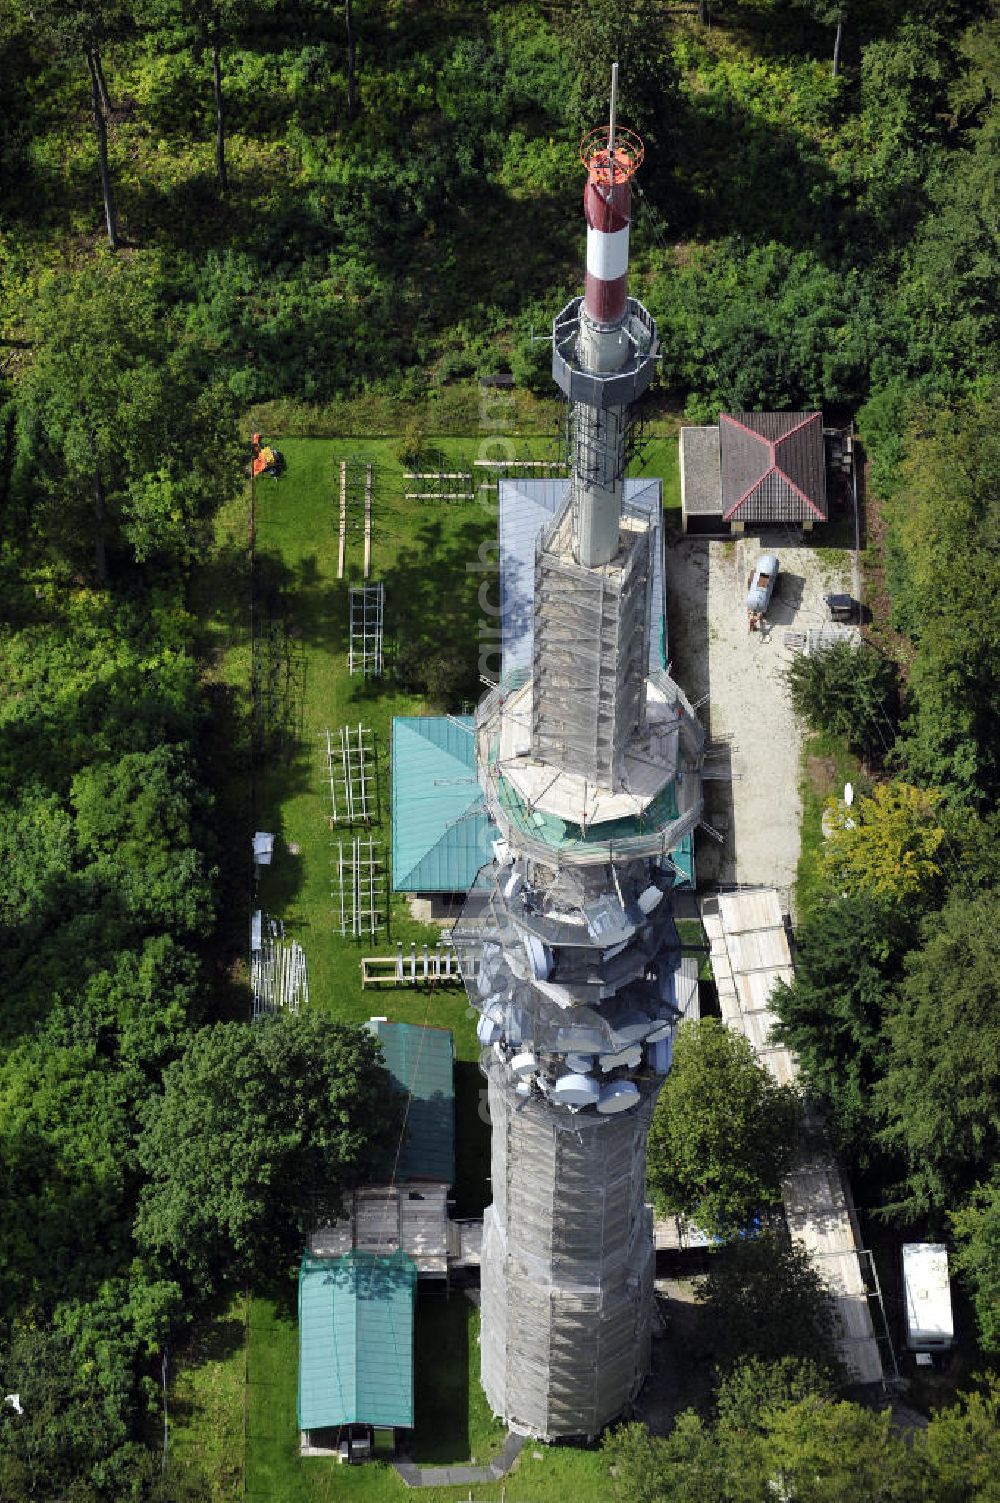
{"points": [[360, 878], [439, 485], [351, 771], [276, 683], [365, 651]]}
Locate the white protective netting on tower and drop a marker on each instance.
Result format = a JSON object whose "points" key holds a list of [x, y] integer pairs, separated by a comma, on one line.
{"points": [[567, 1265]]}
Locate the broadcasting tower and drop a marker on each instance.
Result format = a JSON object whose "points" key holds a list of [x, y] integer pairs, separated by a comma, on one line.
{"points": [[591, 767]]}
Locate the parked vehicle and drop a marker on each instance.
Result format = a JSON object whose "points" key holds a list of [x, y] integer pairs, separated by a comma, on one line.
{"points": [[760, 585], [841, 607], [930, 1326]]}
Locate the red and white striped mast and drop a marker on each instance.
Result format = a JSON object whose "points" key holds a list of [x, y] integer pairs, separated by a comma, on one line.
{"points": [[607, 204], [604, 342]]}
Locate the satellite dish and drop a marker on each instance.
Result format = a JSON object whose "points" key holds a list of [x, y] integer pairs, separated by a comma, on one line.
{"points": [[576, 1090], [848, 794], [487, 1030], [617, 1097]]}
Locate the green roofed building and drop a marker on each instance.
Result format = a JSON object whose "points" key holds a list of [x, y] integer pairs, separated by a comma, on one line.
{"points": [[355, 1342], [421, 1062], [441, 834]]}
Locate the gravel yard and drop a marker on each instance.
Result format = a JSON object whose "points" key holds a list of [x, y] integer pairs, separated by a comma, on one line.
{"points": [[753, 801]]}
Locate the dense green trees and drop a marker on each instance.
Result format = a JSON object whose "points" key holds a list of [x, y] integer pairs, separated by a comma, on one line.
{"points": [[723, 1131], [850, 691], [941, 1085], [80, 31], [255, 1130], [120, 422], [850, 950], [944, 569], [976, 1228], [811, 1448], [764, 1299]]}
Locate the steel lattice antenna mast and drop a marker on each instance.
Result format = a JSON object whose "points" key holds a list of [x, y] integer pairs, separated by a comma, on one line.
{"points": [[591, 771]]}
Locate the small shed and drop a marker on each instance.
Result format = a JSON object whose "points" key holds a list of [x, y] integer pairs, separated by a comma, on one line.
{"points": [[927, 1297], [756, 470], [441, 834], [421, 1062], [355, 1344], [701, 478]]}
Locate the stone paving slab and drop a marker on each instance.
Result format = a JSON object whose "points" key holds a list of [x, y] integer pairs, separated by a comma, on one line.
{"points": [[461, 1476]]}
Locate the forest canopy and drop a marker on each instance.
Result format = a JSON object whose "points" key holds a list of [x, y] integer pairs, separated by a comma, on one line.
{"points": [[226, 211]]}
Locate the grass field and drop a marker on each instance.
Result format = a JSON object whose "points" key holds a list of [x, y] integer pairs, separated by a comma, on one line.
{"points": [[428, 555], [451, 1424]]}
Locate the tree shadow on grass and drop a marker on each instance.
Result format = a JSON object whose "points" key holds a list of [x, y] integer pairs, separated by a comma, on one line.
{"points": [[472, 1141], [433, 601], [441, 1373]]}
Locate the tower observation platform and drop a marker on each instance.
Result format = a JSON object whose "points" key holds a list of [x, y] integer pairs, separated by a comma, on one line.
{"points": [[590, 762]]}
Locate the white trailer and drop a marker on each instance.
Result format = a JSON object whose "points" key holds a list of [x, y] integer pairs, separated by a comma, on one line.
{"points": [[927, 1297]]}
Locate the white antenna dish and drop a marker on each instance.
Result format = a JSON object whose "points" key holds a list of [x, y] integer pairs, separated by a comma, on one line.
{"points": [[848, 794]]}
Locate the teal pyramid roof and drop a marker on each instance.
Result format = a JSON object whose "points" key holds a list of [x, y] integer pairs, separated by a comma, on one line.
{"points": [[440, 834]]}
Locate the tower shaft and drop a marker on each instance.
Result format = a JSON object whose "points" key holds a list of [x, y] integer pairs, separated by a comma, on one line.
{"points": [[591, 772]]}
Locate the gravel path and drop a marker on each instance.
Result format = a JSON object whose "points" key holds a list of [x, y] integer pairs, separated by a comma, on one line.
{"points": [[754, 802]]}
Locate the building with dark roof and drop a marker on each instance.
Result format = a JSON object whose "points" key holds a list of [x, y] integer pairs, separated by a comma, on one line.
{"points": [[757, 469]]}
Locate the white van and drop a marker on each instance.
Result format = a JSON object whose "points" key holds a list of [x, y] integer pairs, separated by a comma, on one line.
{"points": [[927, 1297]]}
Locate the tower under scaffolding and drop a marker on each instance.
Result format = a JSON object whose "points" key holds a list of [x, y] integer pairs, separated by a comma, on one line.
{"points": [[590, 761]]}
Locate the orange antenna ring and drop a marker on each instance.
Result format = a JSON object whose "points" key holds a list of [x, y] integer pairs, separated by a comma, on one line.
{"points": [[596, 157]]}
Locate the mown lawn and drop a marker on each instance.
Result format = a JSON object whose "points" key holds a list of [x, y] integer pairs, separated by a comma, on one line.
{"points": [[428, 555], [453, 1422]]}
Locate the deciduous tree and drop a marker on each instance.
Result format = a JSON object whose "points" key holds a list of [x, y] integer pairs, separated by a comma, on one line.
{"points": [[124, 420], [888, 846], [723, 1131], [941, 1086], [81, 30], [763, 1298], [255, 1126], [975, 1226]]}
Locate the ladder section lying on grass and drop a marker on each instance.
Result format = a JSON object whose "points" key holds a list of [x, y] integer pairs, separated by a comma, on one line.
{"points": [[365, 651], [351, 771], [439, 485], [359, 878]]}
